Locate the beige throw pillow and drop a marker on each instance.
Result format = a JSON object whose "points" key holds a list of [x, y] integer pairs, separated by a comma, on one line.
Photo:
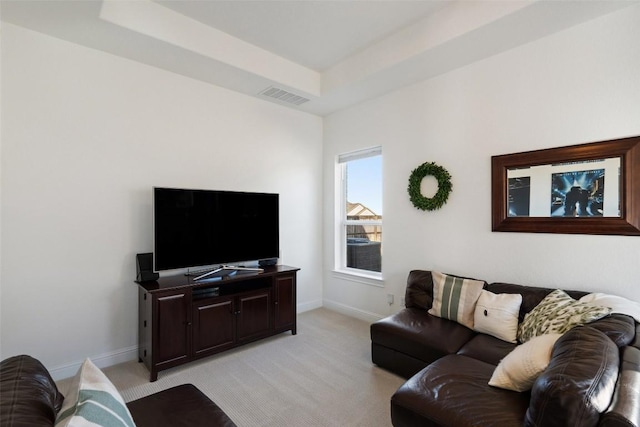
{"points": [[497, 315], [455, 298], [520, 368]]}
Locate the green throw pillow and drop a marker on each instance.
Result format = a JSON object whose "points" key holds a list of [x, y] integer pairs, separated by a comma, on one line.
{"points": [[455, 298], [556, 314], [92, 400]]}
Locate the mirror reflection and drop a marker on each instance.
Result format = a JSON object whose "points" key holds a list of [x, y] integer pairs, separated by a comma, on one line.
{"points": [[572, 189]]}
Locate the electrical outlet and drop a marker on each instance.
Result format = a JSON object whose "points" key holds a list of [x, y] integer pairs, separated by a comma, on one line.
{"points": [[389, 299]]}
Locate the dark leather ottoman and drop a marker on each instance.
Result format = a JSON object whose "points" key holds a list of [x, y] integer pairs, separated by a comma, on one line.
{"points": [[453, 391], [183, 405]]}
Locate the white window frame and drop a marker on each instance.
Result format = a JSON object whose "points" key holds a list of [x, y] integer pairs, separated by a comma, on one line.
{"points": [[341, 222]]}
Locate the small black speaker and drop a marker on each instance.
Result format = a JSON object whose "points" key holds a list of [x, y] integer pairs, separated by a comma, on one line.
{"points": [[267, 262], [144, 268]]}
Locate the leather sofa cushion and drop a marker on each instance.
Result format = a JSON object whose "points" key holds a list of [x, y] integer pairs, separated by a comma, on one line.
{"points": [[531, 296], [487, 349], [180, 406], [414, 332], [579, 382], [419, 292], [619, 327], [28, 395], [453, 391]]}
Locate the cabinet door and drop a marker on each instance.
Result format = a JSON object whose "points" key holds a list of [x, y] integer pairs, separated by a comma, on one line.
{"points": [[285, 303], [172, 327], [254, 315], [213, 326]]}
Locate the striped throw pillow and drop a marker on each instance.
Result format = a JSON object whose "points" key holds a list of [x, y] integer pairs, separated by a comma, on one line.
{"points": [[455, 298], [92, 400]]}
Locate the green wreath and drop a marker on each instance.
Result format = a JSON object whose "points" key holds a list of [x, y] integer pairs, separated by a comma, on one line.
{"points": [[444, 186]]}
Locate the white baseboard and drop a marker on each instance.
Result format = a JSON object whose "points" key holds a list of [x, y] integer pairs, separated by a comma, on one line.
{"points": [[307, 306], [352, 311], [101, 361]]}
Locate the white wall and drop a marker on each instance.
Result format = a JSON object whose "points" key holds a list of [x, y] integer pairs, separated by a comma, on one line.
{"points": [[580, 85], [85, 136]]}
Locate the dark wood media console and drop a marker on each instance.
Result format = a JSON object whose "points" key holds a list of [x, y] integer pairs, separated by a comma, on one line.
{"points": [[181, 320]]}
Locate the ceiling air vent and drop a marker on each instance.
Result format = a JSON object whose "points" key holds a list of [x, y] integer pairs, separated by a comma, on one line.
{"points": [[283, 96]]}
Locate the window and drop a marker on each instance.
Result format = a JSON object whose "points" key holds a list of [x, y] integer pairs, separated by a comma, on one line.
{"points": [[359, 224]]}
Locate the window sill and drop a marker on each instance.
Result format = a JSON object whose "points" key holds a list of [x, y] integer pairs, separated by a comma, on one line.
{"points": [[354, 275]]}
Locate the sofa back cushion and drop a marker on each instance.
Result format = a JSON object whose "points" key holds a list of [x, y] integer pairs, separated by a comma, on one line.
{"points": [[28, 394], [419, 293], [531, 296], [579, 382]]}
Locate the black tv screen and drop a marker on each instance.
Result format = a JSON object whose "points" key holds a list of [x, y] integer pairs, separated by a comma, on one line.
{"points": [[207, 227]]}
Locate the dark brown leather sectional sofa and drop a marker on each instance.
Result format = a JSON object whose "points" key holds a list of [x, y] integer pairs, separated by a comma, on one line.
{"points": [[29, 398], [593, 378]]}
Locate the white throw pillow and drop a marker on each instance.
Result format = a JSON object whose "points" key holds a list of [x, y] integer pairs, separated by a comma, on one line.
{"points": [[615, 303], [497, 315], [455, 298], [93, 400], [520, 368]]}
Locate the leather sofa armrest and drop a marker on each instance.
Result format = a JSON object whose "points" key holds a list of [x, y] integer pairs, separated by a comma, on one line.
{"points": [[578, 385], [28, 395], [625, 406]]}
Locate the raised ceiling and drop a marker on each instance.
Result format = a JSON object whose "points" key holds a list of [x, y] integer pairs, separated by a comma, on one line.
{"points": [[333, 53], [314, 34]]}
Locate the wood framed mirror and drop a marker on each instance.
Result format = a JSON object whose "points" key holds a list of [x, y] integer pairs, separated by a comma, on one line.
{"points": [[589, 188]]}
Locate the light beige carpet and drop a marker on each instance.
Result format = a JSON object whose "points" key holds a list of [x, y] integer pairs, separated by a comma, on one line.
{"points": [[323, 376]]}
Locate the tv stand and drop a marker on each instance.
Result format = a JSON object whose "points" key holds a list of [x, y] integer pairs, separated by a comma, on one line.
{"points": [[181, 319], [225, 270]]}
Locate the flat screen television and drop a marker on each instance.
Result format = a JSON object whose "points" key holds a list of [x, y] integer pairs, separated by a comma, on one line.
{"points": [[197, 228]]}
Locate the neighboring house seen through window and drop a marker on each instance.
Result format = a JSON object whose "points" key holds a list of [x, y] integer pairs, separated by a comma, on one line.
{"points": [[359, 245]]}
